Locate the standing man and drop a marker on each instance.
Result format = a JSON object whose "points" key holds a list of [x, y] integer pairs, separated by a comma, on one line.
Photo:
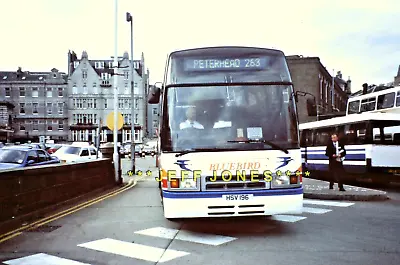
{"points": [[336, 152]]}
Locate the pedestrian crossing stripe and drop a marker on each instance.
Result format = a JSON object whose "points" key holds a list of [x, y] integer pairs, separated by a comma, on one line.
{"points": [[328, 203], [201, 238], [288, 218], [315, 210], [43, 259], [134, 250]]}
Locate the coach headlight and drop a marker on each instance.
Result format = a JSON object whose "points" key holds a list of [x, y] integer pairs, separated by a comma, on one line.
{"points": [[279, 181], [185, 184]]}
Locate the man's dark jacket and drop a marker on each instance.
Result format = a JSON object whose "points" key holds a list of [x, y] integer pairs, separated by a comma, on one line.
{"points": [[331, 150]]}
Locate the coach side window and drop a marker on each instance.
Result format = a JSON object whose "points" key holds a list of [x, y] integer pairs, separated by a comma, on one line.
{"points": [[398, 99], [386, 101], [307, 138], [322, 137], [356, 133]]}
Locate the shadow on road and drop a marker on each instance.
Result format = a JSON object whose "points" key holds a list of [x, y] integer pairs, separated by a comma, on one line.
{"points": [[238, 226]]}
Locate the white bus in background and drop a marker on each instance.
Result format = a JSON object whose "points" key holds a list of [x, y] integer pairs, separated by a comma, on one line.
{"points": [[371, 140], [382, 101]]}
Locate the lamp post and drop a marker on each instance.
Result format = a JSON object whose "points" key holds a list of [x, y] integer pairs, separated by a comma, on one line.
{"points": [[115, 156], [130, 19]]}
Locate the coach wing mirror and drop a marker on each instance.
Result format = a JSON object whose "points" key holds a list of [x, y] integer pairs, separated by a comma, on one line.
{"points": [[154, 95]]}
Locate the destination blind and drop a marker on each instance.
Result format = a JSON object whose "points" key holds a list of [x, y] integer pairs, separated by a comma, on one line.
{"points": [[220, 64]]}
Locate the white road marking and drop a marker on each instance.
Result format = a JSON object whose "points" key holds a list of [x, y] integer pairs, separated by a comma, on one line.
{"points": [[287, 218], [43, 259], [328, 203], [316, 210], [202, 238], [134, 250]]}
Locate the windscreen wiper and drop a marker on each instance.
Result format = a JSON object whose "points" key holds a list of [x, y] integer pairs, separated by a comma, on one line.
{"points": [[194, 150], [273, 145]]}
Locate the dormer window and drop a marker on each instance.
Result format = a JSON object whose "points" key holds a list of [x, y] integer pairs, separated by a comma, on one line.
{"points": [[99, 65]]}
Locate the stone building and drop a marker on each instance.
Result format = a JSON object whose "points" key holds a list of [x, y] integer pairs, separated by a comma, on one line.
{"points": [[39, 100], [309, 75], [91, 97]]}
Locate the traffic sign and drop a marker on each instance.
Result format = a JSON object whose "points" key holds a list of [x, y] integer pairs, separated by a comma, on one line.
{"points": [[110, 121]]}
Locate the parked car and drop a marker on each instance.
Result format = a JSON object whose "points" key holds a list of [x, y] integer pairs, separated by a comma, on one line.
{"points": [[138, 151], [23, 156], [72, 154], [36, 145], [52, 148]]}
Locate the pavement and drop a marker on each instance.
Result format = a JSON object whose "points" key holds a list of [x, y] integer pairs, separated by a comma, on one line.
{"points": [[317, 189], [130, 228], [313, 189]]}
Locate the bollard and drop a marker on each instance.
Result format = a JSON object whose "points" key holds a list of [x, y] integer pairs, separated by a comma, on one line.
{"points": [[107, 150]]}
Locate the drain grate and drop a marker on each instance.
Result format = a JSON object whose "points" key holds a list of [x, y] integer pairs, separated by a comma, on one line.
{"points": [[44, 228]]}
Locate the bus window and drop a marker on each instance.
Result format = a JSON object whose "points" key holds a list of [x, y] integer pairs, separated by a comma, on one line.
{"points": [[356, 133], [386, 101], [398, 99], [307, 138], [322, 137], [354, 107], [389, 131], [368, 104]]}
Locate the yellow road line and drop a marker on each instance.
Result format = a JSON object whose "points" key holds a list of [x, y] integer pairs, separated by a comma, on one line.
{"points": [[71, 210]]}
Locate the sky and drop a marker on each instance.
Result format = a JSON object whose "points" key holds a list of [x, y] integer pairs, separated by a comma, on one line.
{"points": [[359, 38]]}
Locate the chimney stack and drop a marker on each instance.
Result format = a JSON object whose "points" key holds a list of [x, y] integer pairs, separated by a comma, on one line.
{"points": [[365, 88]]}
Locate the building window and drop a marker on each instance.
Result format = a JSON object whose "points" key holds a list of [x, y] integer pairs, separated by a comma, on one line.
{"points": [[154, 111], [155, 123], [126, 89], [137, 135], [21, 127], [95, 103], [35, 92], [35, 108], [49, 108], [126, 104], [22, 91], [49, 127], [84, 74], [8, 92], [136, 103], [126, 75], [49, 93], [21, 108], [35, 126], [105, 103], [120, 103], [60, 125], [73, 118], [60, 108], [95, 91], [136, 118], [60, 92]]}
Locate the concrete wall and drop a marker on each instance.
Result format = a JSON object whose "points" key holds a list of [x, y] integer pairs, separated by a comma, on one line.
{"points": [[28, 193]]}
